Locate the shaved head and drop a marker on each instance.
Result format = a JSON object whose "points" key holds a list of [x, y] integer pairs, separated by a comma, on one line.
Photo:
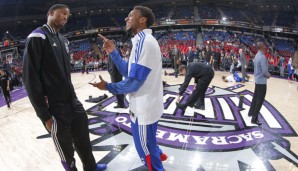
{"points": [[260, 46]]}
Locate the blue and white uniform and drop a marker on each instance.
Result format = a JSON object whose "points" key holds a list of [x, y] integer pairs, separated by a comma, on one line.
{"points": [[143, 83]]}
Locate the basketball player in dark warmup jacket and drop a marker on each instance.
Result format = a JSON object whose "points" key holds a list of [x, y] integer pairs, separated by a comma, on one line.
{"points": [[46, 75]]}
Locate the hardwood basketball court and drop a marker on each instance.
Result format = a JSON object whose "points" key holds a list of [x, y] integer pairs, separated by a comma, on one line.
{"points": [[219, 138]]}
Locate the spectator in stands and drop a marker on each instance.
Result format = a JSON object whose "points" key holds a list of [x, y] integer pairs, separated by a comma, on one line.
{"points": [[190, 55], [243, 65], [216, 61], [233, 61], [281, 67], [225, 60], [200, 52], [295, 65], [96, 65], [197, 54], [175, 57], [261, 75], [85, 67], [5, 86], [290, 69], [295, 74], [295, 60], [208, 55]]}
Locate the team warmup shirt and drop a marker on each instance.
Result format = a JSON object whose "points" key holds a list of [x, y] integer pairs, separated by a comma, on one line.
{"points": [[143, 78], [46, 70]]}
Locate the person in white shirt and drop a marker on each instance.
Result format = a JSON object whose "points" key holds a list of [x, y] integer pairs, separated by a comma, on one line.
{"points": [[142, 83], [233, 78]]}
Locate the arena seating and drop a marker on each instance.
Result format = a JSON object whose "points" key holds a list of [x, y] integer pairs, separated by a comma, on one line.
{"points": [[286, 18], [208, 12], [80, 49], [284, 48], [161, 13], [233, 14], [219, 38], [183, 12], [182, 39]]}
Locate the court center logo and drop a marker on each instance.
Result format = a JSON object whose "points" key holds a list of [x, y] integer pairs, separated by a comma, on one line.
{"points": [[221, 127]]}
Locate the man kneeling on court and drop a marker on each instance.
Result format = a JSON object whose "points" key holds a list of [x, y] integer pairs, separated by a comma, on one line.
{"points": [[203, 74]]}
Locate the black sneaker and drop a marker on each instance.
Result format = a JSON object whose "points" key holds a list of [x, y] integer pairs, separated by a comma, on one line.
{"points": [[119, 106], [256, 122], [181, 106], [201, 107], [100, 107]]}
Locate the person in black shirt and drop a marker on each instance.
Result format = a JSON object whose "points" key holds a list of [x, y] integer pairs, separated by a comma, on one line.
{"points": [[216, 63], [116, 77], [208, 55], [175, 56], [203, 75], [47, 79], [4, 81], [85, 67]]}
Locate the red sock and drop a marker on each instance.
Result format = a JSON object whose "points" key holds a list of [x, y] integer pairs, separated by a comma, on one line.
{"points": [[148, 160]]}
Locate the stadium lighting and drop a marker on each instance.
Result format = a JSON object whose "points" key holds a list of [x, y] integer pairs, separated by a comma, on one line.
{"points": [[224, 18]]}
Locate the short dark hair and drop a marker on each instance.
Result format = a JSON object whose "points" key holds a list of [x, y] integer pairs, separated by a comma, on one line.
{"points": [[181, 67], [260, 45], [56, 6], [146, 12]]}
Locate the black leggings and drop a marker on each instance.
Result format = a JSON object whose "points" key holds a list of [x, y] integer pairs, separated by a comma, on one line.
{"points": [[6, 95]]}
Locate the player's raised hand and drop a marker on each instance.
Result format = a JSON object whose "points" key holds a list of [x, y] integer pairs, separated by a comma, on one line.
{"points": [[101, 85], [108, 45]]}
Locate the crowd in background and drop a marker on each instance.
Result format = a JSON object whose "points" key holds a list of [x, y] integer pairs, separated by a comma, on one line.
{"points": [[218, 48]]}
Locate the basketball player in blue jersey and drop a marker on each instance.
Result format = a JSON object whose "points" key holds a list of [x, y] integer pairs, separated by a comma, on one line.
{"points": [[142, 83]]}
